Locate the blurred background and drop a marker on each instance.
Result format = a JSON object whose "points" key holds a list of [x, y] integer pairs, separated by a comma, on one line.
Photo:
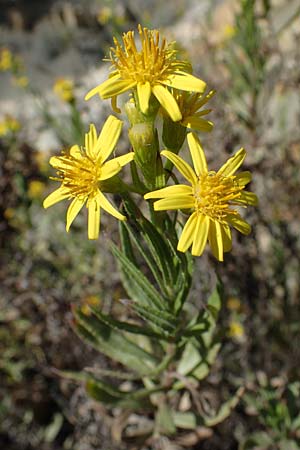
{"points": [[51, 54]]}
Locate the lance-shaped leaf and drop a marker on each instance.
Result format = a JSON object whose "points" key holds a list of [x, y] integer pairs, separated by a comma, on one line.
{"points": [[225, 409], [164, 421], [207, 319], [125, 326], [156, 244], [114, 344], [161, 321], [111, 395], [137, 285]]}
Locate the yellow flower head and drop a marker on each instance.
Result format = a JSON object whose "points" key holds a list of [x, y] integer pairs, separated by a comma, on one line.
{"points": [[35, 189], [81, 172], [104, 15], [6, 59], [189, 104], [9, 125], [64, 88], [234, 304], [212, 197], [21, 81], [236, 330], [150, 70]]}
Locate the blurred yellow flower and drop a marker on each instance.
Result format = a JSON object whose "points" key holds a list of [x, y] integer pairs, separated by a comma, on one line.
{"points": [[236, 330], [36, 189], [104, 15], [91, 300], [9, 213], [150, 70], [229, 31], [9, 125], [21, 81], [212, 198], [41, 158], [81, 172], [233, 304], [64, 88], [6, 59]]}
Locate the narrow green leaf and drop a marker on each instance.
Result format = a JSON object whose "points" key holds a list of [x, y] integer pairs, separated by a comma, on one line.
{"points": [[225, 409], [164, 422], [111, 395], [164, 322], [190, 359], [185, 420], [125, 243], [137, 285], [203, 369], [114, 344], [125, 326], [155, 240], [136, 239]]}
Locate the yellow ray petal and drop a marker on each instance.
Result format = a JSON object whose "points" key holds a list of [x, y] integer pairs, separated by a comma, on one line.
{"points": [[124, 159], [200, 235], [57, 162], [111, 88], [144, 94], [97, 89], [73, 210], [181, 165], [75, 151], [205, 98], [107, 206], [114, 105], [167, 101], [187, 234], [226, 236], [61, 162], [239, 224], [216, 239], [247, 198], [93, 218], [170, 191], [109, 169], [90, 141], [108, 137], [185, 82], [179, 202], [243, 178], [197, 153], [233, 163], [59, 194], [197, 123]]}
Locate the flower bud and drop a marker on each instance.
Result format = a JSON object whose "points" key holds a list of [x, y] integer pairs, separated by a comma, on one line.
{"points": [[144, 140], [173, 134]]}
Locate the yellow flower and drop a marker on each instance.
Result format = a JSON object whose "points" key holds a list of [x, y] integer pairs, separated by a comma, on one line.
{"points": [[9, 213], [81, 172], [6, 59], [21, 81], [35, 189], [104, 15], [211, 196], [189, 104], [91, 300], [236, 330], [229, 31], [64, 88], [9, 125], [234, 304], [150, 70]]}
